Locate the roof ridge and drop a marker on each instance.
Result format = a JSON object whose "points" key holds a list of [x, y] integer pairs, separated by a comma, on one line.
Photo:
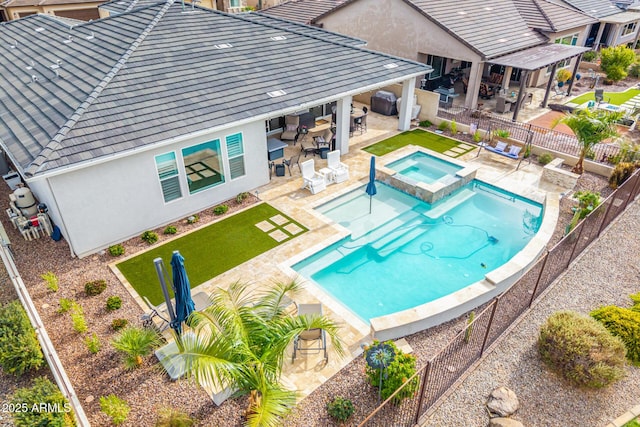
{"points": [[544, 15], [55, 142]]}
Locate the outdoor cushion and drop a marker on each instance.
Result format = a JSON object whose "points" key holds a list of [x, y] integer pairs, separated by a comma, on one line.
{"points": [[291, 128]]}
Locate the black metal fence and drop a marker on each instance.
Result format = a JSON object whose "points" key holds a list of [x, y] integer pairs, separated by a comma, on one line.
{"points": [[468, 346]]}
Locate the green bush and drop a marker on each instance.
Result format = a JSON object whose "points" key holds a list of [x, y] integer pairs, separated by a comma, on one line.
{"points": [[114, 303], [545, 158], [220, 209], [135, 343], [634, 70], [589, 56], [77, 318], [340, 409], [65, 305], [116, 250], [95, 287], [477, 136], [169, 417], [615, 61], [623, 323], [193, 219], [117, 409], [444, 125], [581, 350], [19, 348], [454, 127], [394, 375], [620, 173], [170, 229], [501, 133], [150, 237], [241, 197], [527, 152], [92, 343], [563, 75], [118, 324], [588, 201], [426, 124], [51, 279], [43, 393]]}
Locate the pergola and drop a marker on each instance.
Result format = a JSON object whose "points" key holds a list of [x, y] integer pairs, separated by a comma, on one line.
{"points": [[536, 58]]}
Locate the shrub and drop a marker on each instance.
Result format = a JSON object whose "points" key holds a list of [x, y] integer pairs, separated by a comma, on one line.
{"points": [[501, 133], [150, 237], [116, 250], [241, 197], [634, 70], [340, 409], [469, 329], [42, 391], [623, 323], [65, 305], [620, 173], [19, 348], [562, 75], [426, 124], [396, 374], [193, 219], [444, 125], [114, 303], [588, 201], [454, 127], [545, 158], [95, 287], [220, 209], [169, 417], [77, 318], [93, 343], [117, 409], [135, 343], [527, 152], [581, 350], [615, 61], [51, 279], [118, 324], [477, 136], [589, 56], [170, 229]]}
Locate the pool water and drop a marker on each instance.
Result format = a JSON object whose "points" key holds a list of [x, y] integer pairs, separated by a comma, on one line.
{"points": [[407, 252], [425, 168]]}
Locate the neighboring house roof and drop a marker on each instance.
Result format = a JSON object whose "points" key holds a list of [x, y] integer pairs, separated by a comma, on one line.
{"points": [[156, 73], [304, 11], [622, 17], [595, 8], [121, 6], [24, 3], [550, 17]]}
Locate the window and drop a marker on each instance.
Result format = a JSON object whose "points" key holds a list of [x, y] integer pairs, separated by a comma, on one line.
{"points": [[628, 29], [202, 165], [168, 173], [437, 63], [571, 39], [235, 151], [234, 3]]}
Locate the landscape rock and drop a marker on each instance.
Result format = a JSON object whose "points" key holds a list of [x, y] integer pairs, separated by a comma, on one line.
{"points": [[504, 422], [503, 402]]}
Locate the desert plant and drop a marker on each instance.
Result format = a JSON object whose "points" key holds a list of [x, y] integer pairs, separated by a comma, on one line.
{"points": [[169, 417], [93, 343], [340, 409], [220, 209], [113, 303], [634, 70], [77, 318], [51, 279], [477, 136], [19, 348], [469, 329], [563, 75], [241, 197], [193, 219], [587, 202], [615, 61], [65, 305], [41, 392], [501, 133], [454, 127], [149, 236], [444, 125], [581, 350], [527, 152], [135, 343], [388, 368], [118, 324], [620, 173], [623, 323], [545, 158], [425, 124], [95, 287], [589, 56], [170, 229], [116, 250], [117, 409]]}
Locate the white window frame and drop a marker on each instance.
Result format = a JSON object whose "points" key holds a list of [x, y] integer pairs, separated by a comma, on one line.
{"points": [[235, 157], [162, 169], [628, 29]]}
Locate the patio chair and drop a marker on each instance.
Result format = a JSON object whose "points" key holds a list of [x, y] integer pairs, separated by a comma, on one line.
{"points": [[290, 133], [312, 339], [502, 106], [599, 95], [340, 170], [292, 161], [312, 180], [361, 123], [486, 92]]}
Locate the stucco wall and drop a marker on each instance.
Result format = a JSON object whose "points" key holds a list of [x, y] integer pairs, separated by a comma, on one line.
{"points": [[541, 77], [115, 200]]}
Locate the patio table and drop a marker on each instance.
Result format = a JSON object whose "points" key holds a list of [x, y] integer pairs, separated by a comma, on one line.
{"points": [[275, 148]]}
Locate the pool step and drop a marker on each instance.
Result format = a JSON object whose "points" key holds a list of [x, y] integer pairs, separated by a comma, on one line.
{"points": [[449, 204], [401, 241]]}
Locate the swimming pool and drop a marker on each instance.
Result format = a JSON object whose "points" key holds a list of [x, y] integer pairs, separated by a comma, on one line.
{"points": [[408, 252], [425, 168]]}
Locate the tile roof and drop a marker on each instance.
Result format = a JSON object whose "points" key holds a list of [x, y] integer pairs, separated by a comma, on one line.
{"points": [[158, 73], [304, 11], [121, 6], [595, 8], [21, 3], [546, 16]]}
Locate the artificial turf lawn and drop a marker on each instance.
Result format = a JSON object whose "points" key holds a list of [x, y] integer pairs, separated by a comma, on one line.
{"points": [[615, 98], [207, 252], [418, 137]]}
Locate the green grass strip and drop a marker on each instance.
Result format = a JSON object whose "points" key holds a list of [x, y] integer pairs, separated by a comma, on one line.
{"points": [[207, 252], [417, 137], [615, 98]]}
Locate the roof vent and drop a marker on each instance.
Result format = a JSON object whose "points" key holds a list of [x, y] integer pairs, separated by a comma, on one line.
{"points": [[30, 67], [90, 37], [222, 46], [276, 93], [39, 30], [390, 65], [15, 44], [278, 38], [69, 40], [34, 78]]}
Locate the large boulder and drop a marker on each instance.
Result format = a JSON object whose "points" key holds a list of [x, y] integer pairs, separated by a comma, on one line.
{"points": [[503, 402]]}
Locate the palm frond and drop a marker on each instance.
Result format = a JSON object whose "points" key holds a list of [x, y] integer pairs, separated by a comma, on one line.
{"points": [[273, 403]]}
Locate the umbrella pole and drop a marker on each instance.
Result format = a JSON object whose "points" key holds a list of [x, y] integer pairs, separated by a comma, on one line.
{"points": [[370, 202], [160, 270]]}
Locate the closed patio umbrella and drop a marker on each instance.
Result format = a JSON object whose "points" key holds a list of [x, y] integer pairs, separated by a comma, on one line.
{"points": [[371, 185], [181, 290]]}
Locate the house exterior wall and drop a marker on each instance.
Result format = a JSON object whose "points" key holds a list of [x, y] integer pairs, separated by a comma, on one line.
{"points": [[122, 198], [616, 38], [22, 11]]}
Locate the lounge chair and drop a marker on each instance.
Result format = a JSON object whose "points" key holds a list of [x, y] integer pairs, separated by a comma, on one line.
{"points": [[312, 180], [291, 123], [486, 92], [312, 339], [340, 170]]}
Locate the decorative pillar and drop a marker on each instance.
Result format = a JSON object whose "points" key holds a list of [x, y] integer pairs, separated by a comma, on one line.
{"points": [[343, 121], [406, 106], [573, 77], [549, 83], [475, 76]]}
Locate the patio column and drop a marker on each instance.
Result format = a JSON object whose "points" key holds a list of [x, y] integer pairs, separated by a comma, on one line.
{"points": [[549, 83], [406, 106], [343, 120], [596, 42], [475, 76], [506, 79], [575, 71], [523, 86]]}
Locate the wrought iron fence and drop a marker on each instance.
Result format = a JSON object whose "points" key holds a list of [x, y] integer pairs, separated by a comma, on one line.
{"points": [[447, 366]]}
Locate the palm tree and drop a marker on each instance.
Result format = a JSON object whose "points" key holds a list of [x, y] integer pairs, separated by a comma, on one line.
{"points": [[240, 341], [135, 343], [590, 127]]}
